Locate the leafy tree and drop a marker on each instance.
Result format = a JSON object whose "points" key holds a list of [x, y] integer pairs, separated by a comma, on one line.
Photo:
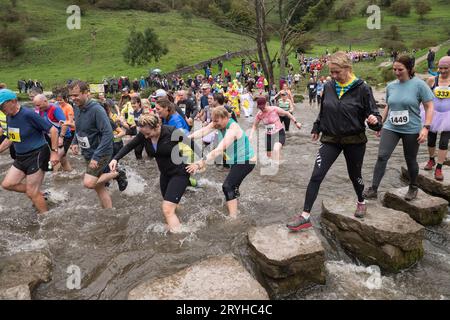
{"points": [[143, 47], [12, 42], [401, 8], [422, 8]]}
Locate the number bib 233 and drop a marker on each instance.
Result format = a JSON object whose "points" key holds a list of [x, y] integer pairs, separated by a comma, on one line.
{"points": [[399, 118]]}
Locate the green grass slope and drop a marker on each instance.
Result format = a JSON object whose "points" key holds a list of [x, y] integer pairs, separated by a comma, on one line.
{"points": [[61, 54]]}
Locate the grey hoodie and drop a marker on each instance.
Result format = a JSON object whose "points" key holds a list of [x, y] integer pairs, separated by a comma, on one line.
{"points": [[94, 133]]}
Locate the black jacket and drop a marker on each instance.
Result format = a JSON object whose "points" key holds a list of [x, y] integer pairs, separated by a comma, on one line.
{"points": [[346, 116], [163, 152]]}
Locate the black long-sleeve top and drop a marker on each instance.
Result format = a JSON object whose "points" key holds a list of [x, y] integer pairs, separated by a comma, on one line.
{"points": [[168, 145], [346, 116]]}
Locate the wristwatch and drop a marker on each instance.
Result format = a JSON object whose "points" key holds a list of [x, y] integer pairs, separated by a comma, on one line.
{"points": [[55, 150], [427, 126]]}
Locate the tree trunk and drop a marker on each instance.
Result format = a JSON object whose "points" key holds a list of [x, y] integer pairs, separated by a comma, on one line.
{"points": [[261, 41], [283, 58]]}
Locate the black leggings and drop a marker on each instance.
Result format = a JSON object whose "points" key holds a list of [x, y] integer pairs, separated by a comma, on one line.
{"points": [[173, 188], [443, 141], [327, 155], [286, 121], [388, 142], [237, 174]]}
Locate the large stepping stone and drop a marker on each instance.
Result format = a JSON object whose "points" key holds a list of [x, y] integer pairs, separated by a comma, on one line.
{"points": [[384, 237], [217, 278], [21, 273], [288, 261], [429, 184], [425, 209]]}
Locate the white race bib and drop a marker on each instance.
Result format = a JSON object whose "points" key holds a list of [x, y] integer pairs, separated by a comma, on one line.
{"points": [[399, 118], [270, 128], [183, 108], [83, 142], [311, 86]]}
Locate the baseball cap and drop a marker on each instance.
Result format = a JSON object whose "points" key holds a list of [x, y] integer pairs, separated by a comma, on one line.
{"points": [[261, 102], [6, 95], [159, 94]]}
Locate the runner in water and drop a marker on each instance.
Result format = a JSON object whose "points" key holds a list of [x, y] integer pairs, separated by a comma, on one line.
{"points": [[26, 131], [240, 155], [162, 141], [275, 134]]}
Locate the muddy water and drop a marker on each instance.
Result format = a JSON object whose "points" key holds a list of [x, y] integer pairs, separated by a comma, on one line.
{"points": [[118, 249]]}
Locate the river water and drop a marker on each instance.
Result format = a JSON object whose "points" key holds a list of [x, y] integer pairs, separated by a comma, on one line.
{"points": [[118, 249]]}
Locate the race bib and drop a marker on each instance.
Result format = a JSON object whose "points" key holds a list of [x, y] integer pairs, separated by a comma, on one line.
{"points": [[270, 128], [311, 86], [442, 92], [83, 142], [183, 108], [399, 118], [14, 134]]}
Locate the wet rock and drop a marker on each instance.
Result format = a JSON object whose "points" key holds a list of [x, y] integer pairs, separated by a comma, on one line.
{"points": [[425, 209], [288, 261], [217, 278], [21, 273], [385, 237], [429, 184]]}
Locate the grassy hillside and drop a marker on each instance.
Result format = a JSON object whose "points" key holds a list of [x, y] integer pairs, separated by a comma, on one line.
{"points": [[61, 54], [55, 54]]}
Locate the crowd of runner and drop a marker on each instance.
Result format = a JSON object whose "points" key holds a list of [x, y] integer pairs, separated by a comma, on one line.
{"points": [[188, 125]]}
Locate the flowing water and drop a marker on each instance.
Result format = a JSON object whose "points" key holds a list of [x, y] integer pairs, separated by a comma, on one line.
{"points": [[120, 248]]}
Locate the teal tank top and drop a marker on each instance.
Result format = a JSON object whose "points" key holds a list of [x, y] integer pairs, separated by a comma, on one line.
{"points": [[240, 151], [284, 105]]}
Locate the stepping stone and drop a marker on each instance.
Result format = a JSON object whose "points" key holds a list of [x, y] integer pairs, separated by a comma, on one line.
{"points": [[21, 273], [384, 237], [429, 184], [288, 261], [217, 278], [425, 209]]}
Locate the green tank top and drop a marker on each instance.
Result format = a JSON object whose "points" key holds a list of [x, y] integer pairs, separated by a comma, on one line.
{"points": [[284, 105], [240, 151]]}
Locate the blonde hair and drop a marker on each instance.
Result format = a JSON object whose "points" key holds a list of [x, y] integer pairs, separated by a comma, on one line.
{"points": [[220, 112], [148, 120], [341, 59]]}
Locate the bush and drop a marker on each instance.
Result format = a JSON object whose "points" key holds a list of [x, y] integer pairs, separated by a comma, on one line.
{"points": [[186, 14], [423, 43], [401, 8], [12, 41], [10, 15], [422, 8], [393, 45], [180, 65], [345, 10]]}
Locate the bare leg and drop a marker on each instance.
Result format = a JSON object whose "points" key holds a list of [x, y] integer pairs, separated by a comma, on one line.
{"points": [[34, 183], [107, 177], [277, 152], [91, 182], [442, 155], [171, 218], [13, 181], [233, 208]]}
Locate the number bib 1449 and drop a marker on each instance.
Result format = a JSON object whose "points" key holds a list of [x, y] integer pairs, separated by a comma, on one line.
{"points": [[399, 118]]}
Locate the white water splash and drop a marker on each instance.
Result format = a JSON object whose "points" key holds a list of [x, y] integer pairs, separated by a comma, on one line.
{"points": [[136, 184], [57, 196], [17, 243]]}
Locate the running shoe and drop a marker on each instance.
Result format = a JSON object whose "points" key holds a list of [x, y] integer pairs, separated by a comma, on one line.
{"points": [[361, 210], [298, 223], [370, 193], [430, 164], [122, 180], [438, 174], [412, 193]]}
